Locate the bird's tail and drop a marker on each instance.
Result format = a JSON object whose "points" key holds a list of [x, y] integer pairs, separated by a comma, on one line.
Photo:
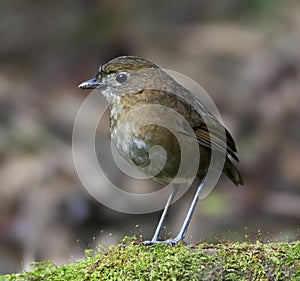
{"points": [[232, 172]]}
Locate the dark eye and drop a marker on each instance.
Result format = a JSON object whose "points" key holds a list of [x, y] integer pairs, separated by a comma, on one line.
{"points": [[121, 78]]}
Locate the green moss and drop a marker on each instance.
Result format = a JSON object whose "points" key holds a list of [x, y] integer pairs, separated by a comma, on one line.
{"points": [[133, 261]]}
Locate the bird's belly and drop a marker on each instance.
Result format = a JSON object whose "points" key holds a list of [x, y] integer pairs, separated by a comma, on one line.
{"points": [[151, 146]]}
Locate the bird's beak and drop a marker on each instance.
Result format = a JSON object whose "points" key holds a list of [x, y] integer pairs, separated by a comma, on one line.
{"points": [[92, 84]]}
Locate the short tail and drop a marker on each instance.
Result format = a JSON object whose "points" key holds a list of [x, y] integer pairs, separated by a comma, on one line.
{"points": [[232, 173]]}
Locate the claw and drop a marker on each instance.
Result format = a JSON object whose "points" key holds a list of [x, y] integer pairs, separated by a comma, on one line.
{"points": [[170, 242], [149, 242]]}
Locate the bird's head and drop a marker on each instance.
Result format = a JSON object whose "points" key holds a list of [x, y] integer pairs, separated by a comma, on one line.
{"points": [[125, 75]]}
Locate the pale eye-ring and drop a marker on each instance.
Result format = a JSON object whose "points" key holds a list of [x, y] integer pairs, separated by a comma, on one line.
{"points": [[122, 77]]}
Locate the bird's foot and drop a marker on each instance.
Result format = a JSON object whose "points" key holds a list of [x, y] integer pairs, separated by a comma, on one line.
{"points": [[150, 242], [169, 242]]}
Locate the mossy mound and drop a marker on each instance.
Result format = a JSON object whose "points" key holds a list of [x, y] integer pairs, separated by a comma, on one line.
{"points": [[133, 261]]}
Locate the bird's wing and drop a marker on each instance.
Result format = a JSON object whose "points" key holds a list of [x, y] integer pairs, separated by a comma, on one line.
{"points": [[208, 130], [205, 137]]}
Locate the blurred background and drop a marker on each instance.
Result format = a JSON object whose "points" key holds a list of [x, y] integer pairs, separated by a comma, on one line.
{"points": [[244, 53]]}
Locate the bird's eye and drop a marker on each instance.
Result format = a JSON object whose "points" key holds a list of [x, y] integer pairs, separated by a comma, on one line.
{"points": [[121, 78]]}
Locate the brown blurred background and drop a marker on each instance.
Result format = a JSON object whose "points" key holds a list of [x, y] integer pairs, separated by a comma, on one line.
{"points": [[244, 53]]}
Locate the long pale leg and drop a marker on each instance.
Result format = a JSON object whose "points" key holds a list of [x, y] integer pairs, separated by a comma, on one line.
{"points": [[184, 228], [154, 239]]}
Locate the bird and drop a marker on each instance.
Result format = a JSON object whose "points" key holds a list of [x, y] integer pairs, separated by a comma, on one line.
{"points": [[128, 82]]}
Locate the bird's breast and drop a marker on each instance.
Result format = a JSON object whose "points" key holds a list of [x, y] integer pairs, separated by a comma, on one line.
{"points": [[134, 143], [134, 138]]}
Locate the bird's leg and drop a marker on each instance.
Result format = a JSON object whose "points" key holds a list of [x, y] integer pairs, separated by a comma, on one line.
{"points": [[154, 239], [184, 228]]}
